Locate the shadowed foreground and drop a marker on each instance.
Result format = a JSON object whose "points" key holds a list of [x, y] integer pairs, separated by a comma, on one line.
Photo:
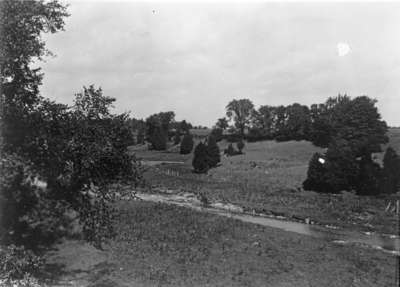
{"points": [[163, 245]]}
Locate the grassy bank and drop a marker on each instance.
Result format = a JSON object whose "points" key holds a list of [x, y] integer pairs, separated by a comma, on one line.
{"points": [[162, 245]]}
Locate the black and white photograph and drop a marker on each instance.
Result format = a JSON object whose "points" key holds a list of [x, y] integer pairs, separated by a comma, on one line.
{"points": [[199, 143]]}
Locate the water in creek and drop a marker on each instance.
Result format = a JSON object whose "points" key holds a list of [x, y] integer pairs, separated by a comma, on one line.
{"points": [[386, 243]]}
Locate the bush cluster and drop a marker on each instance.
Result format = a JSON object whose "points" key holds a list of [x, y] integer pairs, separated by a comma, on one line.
{"points": [[206, 155], [339, 170]]}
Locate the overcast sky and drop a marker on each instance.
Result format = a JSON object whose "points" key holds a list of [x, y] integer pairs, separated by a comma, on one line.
{"points": [[194, 58]]}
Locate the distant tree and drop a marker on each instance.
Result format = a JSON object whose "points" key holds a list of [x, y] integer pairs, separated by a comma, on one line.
{"points": [[262, 122], [298, 122], [321, 127], [222, 124], [138, 128], [184, 127], [157, 126], [213, 153], [217, 133], [240, 112], [390, 181], [177, 139], [240, 145], [140, 137], [200, 159], [187, 144], [280, 123]]}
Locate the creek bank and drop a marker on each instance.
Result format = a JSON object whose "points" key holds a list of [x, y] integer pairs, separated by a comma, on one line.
{"points": [[388, 243]]}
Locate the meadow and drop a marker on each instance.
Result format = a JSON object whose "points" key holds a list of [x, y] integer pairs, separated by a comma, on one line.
{"points": [[165, 245], [267, 178]]}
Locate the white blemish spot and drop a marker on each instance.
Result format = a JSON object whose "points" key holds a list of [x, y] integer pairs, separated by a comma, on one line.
{"points": [[343, 49]]}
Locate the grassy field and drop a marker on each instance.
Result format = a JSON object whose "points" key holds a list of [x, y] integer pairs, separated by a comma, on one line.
{"points": [[164, 245], [268, 177]]}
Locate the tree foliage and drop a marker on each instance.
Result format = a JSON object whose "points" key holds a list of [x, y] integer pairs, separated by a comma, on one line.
{"points": [[240, 112], [213, 153], [222, 124], [200, 158], [187, 144], [333, 172], [354, 120], [77, 151], [157, 128]]}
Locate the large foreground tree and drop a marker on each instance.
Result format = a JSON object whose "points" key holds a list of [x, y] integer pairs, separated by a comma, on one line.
{"points": [[352, 130]]}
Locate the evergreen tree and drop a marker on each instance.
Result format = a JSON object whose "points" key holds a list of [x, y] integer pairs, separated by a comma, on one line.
{"points": [[200, 159], [187, 144], [316, 174], [390, 181], [213, 155], [158, 139], [333, 172]]}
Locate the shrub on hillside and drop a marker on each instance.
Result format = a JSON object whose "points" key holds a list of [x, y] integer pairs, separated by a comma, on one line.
{"points": [[240, 146], [187, 144], [333, 172], [316, 174], [200, 159], [158, 139], [213, 154], [390, 180]]}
